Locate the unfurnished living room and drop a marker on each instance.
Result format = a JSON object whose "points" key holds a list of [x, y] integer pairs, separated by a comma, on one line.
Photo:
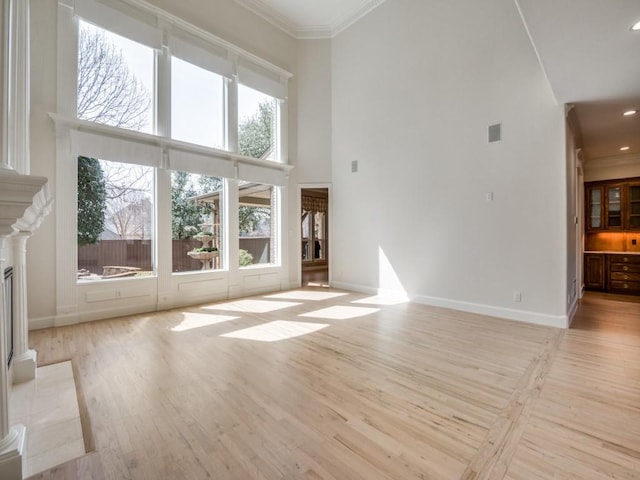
{"points": [[346, 239]]}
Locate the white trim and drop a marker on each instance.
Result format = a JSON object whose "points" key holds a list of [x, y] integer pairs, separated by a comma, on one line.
{"points": [[309, 32], [171, 23], [354, 16], [558, 321], [147, 139], [42, 322], [572, 311], [135, 25]]}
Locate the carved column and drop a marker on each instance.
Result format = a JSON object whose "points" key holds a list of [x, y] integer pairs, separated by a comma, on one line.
{"points": [[12, 440], [24, 360]]}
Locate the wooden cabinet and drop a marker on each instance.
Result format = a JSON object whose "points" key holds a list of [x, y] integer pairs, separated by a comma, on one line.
{"points": [[613, 205], [633, 206], [612, 272], [594, 271], [624, 273], [595, 207]]}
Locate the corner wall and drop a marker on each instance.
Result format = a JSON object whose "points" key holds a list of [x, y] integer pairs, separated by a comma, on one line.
{"points": [[415, 86]]}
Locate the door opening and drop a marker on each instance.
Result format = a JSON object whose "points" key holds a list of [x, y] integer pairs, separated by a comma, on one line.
{"points": [[315, 236]]}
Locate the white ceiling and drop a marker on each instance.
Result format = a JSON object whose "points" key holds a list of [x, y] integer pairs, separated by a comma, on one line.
{"points": [[589, 54], [592, 59]]}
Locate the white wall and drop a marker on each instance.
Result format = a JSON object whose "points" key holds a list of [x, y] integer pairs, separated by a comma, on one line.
{"points": [[609, 168], [314, 116], [415, 85], [223, 18]]}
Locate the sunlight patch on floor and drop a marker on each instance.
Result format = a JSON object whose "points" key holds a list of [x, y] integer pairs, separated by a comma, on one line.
{"points": [[306, 295], [276, 331], [383, 300], [198, 320], [341, 312], [251, 306]]}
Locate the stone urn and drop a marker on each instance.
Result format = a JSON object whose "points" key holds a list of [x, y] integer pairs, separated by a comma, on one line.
{"points": [[204, 256]]}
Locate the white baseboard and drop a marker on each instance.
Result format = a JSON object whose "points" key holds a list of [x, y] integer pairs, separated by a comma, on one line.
{"points": [[558, 321], [573, 308], [42, 322], [355, 288]]}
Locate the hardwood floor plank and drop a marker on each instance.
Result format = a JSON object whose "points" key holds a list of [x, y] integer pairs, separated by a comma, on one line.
{"points": [[374, 392]]}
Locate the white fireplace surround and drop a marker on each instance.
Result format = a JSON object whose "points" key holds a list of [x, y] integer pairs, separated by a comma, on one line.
{"points": [[25, 200]]}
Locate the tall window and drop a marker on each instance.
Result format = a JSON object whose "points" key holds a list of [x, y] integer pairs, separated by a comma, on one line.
{"points": [[115, 80], [257, 216], [116, 86], [197, 105], [196, 221], [257, 117], [115, 219]]}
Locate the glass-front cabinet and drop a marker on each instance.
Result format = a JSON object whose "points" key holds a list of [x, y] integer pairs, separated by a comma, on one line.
{"points": [[634, 206], [595, 209], [613, 205]]}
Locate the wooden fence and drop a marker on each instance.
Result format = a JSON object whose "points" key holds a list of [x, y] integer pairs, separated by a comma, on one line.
{"points": [[134, 253], [137, 253]]}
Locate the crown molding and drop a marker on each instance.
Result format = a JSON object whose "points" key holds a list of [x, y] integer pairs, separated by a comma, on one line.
{"points": [[307, 32], [355, 15]]}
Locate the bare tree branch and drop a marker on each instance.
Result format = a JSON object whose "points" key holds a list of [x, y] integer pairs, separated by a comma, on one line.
{"points": [[108, 92]]}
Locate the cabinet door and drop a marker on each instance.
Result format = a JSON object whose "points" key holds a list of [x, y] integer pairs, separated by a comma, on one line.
{"points": [[613, 212], [633, 206], [595, 208], [594, 271]]}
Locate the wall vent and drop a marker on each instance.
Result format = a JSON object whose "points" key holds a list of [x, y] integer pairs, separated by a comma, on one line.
{"points": [[495, 133]]}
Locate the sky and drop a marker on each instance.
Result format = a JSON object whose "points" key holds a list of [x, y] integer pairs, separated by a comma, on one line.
{"points": [[196, 93]]}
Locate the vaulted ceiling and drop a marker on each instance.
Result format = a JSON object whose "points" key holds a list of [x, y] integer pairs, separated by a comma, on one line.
{"points": [[586, 47]]}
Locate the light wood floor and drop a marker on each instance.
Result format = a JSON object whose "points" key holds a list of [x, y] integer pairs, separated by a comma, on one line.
{"points": [[375, 392]]}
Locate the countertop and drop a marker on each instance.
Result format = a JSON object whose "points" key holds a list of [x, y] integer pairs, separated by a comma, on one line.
{"points": [[612, 253]]}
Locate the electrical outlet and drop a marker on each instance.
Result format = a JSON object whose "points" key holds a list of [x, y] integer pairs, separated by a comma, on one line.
{"points": [[488, 196], [517, 296]]}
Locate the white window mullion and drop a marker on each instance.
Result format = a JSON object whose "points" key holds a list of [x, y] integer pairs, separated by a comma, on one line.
{"points": [[232, 113], [163, 92]]}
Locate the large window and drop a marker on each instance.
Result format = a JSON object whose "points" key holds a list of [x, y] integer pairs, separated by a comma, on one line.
{"points": [[115, 80], [197, 105], [171, 93], [196, 221], [257, 118], [256, 219], [115, 219]]}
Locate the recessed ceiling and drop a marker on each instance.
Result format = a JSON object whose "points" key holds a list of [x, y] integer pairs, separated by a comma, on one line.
{"points": [[311, 18], [591, 58]]}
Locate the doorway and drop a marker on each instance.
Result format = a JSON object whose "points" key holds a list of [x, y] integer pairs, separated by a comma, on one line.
{"points": [[314, 235]]}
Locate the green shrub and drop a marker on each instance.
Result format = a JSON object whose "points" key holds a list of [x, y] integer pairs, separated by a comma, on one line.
{"points": [[245, 258]]}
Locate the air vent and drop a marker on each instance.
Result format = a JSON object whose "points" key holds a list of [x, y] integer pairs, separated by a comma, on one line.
{"points": [[495, 133]]}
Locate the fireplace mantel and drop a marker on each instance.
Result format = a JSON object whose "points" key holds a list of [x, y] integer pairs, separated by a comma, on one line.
{"points": [[25, 200]]}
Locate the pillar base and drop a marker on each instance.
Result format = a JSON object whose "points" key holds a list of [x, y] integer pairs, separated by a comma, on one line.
{"points": [[24, 366], [13, 453]]}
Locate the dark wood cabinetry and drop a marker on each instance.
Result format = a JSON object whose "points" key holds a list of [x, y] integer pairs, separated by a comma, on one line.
{"points": [[594, 278], [613, 205], [624, 273], [612, 272]]}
